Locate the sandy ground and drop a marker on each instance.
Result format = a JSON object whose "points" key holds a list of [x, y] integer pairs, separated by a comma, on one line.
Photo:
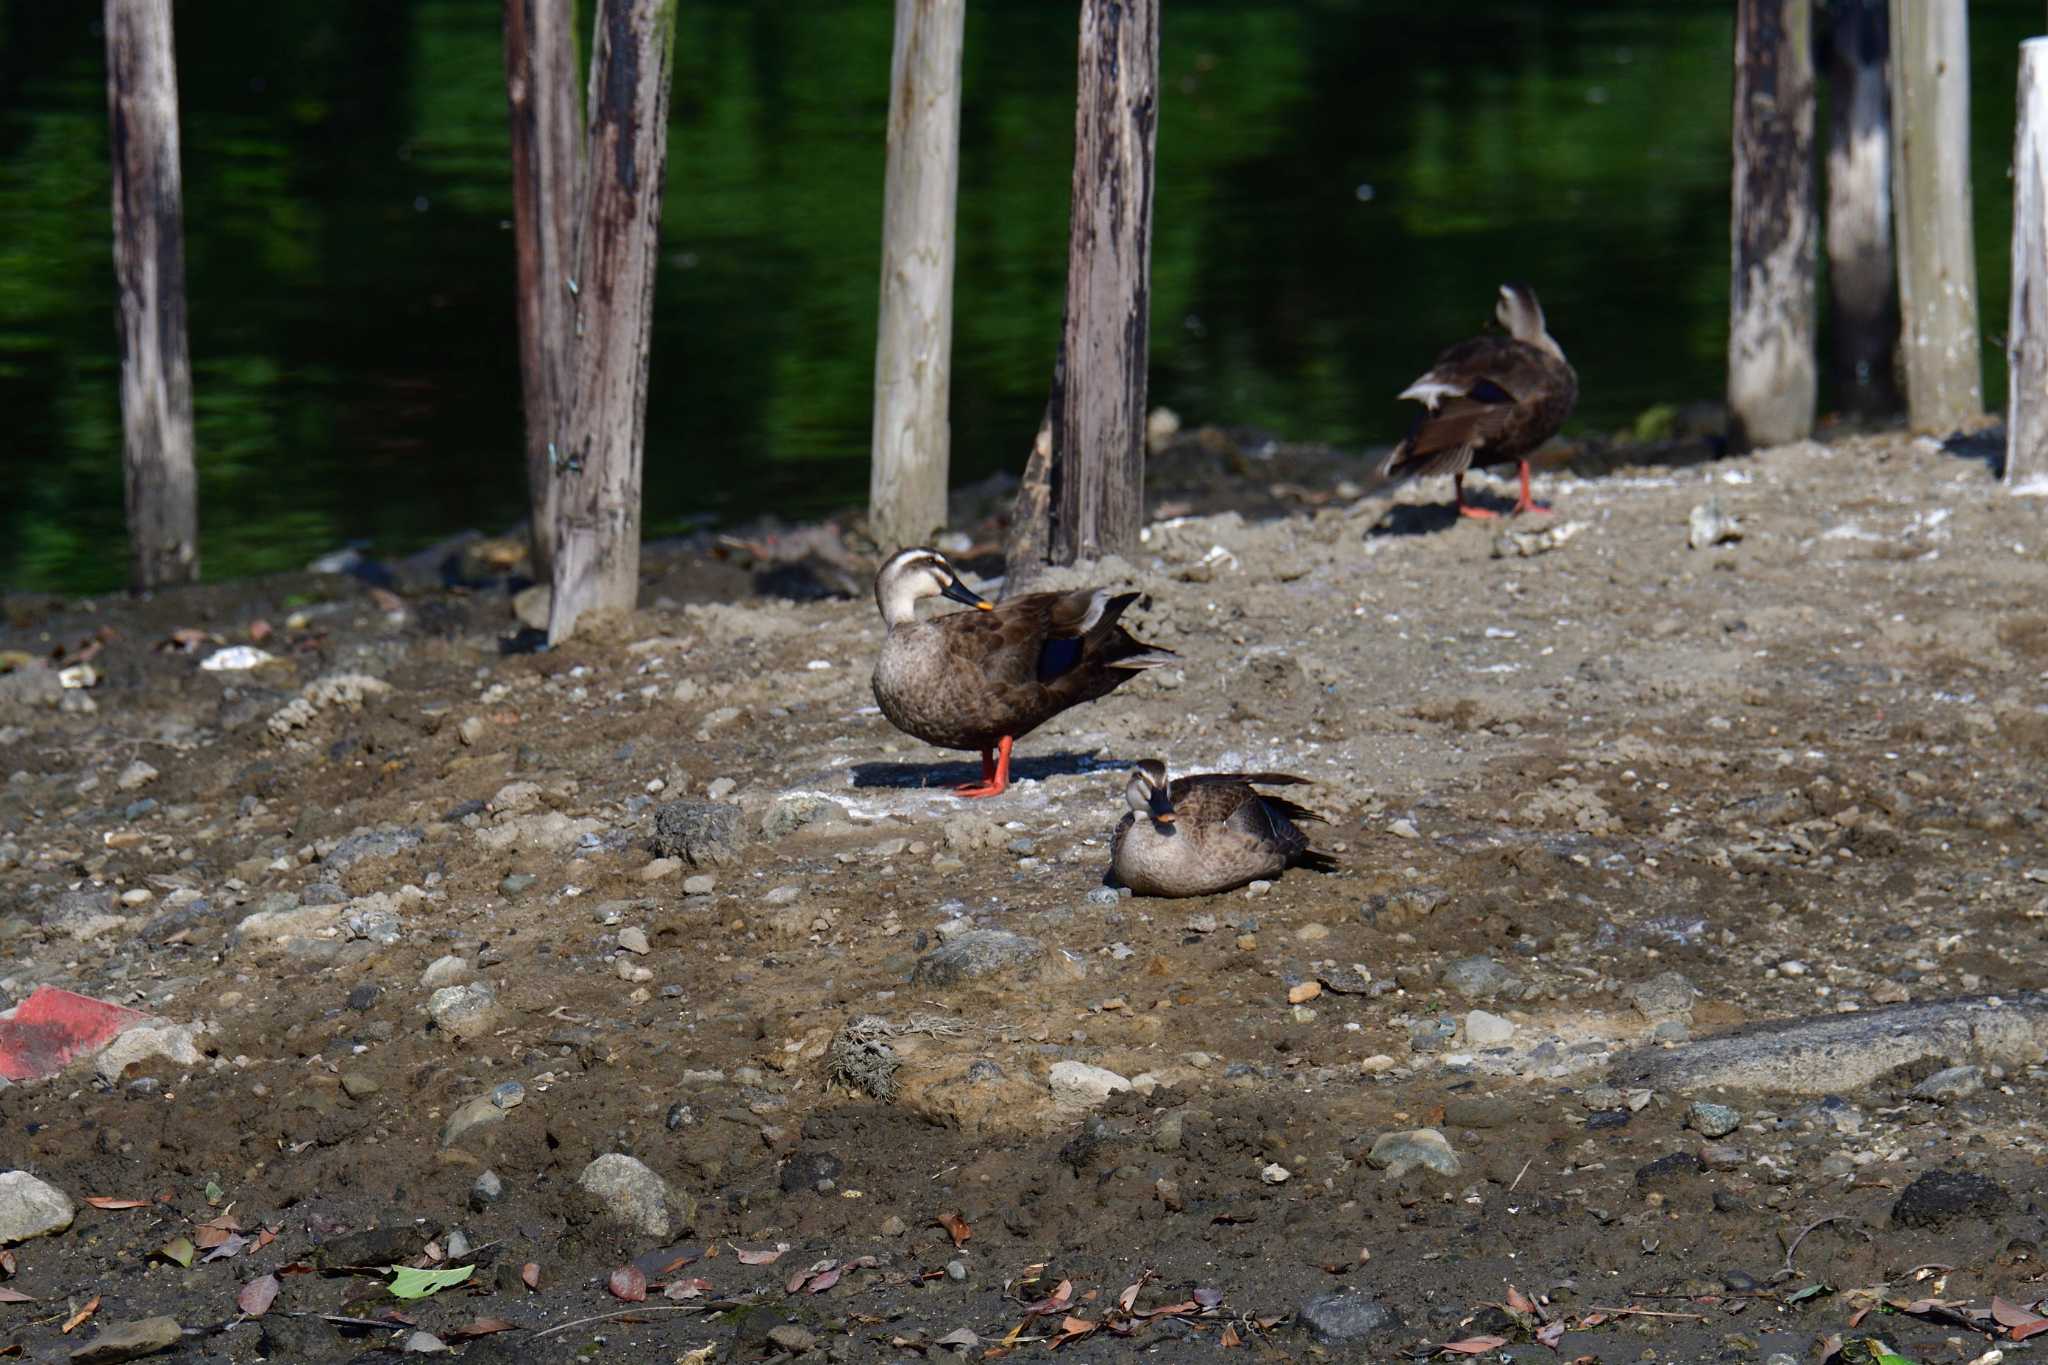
{"points": [[728, 923]]}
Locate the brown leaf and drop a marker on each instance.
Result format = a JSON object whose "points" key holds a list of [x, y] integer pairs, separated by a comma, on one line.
{"points": [[628, 1284], [769, 1257], [6, 1263], [529, 1274], [2011, 1314], [259, 630], [386, 599], [15, 1296], [1550, 1334], [1073, 1329], [178, 1249], [1055, 1302], [686, 1289], [482, 1327], [1520, 1302], [233, 1246], [955, 1225], [257, 1296], [1474, 1346], [1230, 1336], [92, 1305], [825, 1281], [107, 1201]]}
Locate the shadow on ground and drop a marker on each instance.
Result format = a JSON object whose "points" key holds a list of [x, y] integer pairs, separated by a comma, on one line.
{"points": [[906, 775]]}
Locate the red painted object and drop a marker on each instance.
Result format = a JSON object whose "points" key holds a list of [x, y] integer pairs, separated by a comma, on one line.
{"points": [[51, 1027]]}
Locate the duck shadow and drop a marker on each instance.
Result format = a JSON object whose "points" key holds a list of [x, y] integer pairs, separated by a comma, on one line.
{"points": [[906, 776], [1424, 519], [1988, 447]]}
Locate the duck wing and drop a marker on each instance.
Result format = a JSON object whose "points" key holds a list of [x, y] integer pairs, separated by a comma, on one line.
{"points": [[1206, 792], [1036, 655], [1492, 394]]}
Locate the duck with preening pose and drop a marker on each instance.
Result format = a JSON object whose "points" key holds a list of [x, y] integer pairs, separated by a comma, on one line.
{"points": [[1208, 832], [1491, 400], [983, 679]]}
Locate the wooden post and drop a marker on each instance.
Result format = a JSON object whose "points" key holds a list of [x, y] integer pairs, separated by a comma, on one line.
{"points": [[597, 515], [1862, 271], [161, 484], [1931, 205], [914, 339], [540, 88], [2026, 424], [1098, 452], [1771, 373]]}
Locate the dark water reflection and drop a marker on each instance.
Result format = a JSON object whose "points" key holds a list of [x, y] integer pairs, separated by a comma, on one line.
{"points": [[1341, 185]]}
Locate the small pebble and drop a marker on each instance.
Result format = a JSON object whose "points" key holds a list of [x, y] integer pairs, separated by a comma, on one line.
{"points": [[700, 885], [487, 1190], [1276, 1174], [1405, 829], [635, 941], [516, 882], [956, 1270]]}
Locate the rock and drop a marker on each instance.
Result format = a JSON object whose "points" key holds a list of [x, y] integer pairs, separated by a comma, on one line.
{"points": [[466, 1011], [424, 1344], [130, 1340], [1721, 1156], [516, 882], [1275, 1174], [793, 812], [447, 970], [1950, 1084], [1399, 1153], [1078, 1083], [531, 606], [363, 995], [31, 1208], [1485, 1030], [970, 956], [390, 1244], [471, 731], [1168, 1133], [83, 914], [1838, 1052], [135, 776], [1670, 1167], [660, 868], [175, 1043], [1477, 978], [282, 926], [1668, 995], [1347, 1316], [1708, 525], [486, 1191], [632, 1194], [698, 832], [792, 1338], [1712, 1120], [541, 832], [1940, 1197], [375, 847], [634, 941], [703, 884], [358, 1086]]}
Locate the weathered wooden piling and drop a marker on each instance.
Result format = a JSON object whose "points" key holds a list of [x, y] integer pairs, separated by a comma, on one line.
{"points": [[1863, 287], [160, 478], [1098, 452], [914, 336], [1772, 381], [2026, 422], [1932, 212]]}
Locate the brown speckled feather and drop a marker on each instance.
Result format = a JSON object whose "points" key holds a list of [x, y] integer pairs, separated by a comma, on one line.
{"points": [[1224, 834], [964, 680], [1503, 398]]}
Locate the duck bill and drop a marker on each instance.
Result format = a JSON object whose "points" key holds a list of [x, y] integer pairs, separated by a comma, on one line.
{"points": [[966, 596], [1162, 808]]}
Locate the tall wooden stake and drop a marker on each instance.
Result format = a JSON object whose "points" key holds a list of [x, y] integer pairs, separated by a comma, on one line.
{"points": [[1771, 376], [161, 483], [1862, 270], [914, 340], [540, 88], [2026, 424], [597, 515], [1931, 204], [1098, 451]]}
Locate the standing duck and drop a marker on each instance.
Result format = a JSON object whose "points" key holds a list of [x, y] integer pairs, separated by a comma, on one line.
{"points": [[985, 678], [1488, 401], [1209, 832]]}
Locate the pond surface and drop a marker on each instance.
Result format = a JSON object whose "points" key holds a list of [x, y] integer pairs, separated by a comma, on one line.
{"points": [[1341, 187]]}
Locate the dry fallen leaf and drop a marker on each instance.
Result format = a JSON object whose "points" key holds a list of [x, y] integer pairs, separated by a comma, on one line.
{"points": [[6, 1263], [92, 1305], [956, 1226], [386, 599], [107, 1201], [1550, 1334], [1230, 1336], [628, 1284], [1073, 1329], [769, 1257], [14, 1296], [482, 1327], [1474, 1346], [257, 1296], [529, 1274], [1520, 1302], [686, 1289]]}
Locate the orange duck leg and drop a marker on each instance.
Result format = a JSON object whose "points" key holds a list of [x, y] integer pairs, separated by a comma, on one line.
{"points": [[995, 772]]}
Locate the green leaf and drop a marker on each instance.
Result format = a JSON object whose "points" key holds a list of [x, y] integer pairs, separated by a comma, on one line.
{"points": [[214, 1192], [1811, 1291], [407, 1283], [179, 1249]]}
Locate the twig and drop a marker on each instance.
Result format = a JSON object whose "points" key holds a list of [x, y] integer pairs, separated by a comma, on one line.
{"points": [[1519, 1174], [1794, 1247], [624, 1313], [1647, 1313]]}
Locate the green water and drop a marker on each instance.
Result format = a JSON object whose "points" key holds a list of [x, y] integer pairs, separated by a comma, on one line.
{"points": [[1340, 187]]}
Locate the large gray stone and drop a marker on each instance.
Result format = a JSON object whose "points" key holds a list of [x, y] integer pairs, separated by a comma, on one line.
{"points": [[467, 1011], [1837, 1052], [1477, 978], [1079, 1084], [116, 1341], [635, 1196], [698, 832], [1346, 1316], [1426, 1148], [1940, 1197], [1668, 995], [83, 914], [975, 954], [31, 1208]]}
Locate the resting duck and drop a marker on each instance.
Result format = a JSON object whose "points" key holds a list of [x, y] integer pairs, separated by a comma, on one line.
{"points": [[1207, 833], [985, 678], [1488, 401]]}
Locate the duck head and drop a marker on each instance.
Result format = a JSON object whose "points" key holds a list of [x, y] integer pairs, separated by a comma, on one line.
{"points": [[1146, 792], [1522, 315], [912, 575]]}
